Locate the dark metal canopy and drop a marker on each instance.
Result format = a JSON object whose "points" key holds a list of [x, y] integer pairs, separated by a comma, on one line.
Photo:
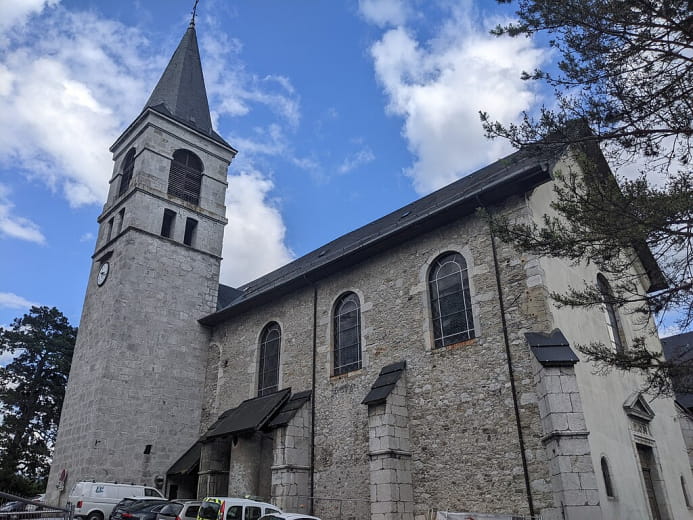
{"points": [[551, 350], [385, 383]]}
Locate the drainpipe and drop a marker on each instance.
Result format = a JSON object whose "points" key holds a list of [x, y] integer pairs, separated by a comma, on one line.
{"points": [[511, 373]]}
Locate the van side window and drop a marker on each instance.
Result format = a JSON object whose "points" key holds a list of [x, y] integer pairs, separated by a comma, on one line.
{"points": [[252, 513], [149, 492], [235, 513]]}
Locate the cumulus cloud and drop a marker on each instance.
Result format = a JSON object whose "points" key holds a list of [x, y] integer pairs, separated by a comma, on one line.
{"points": [[439, 86], [16, 13], [233, 90], [12, 301], [254, 236], [384, 12], [69, 83], [13, 226], [72, 81]]}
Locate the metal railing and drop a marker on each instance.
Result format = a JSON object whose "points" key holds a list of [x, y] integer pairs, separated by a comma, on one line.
{"points": [[13, 507]]}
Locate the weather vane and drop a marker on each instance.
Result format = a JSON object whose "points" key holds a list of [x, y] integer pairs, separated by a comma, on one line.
{"points": [[194, 12]]}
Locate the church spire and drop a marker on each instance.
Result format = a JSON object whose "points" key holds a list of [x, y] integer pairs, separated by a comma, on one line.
{"points": [[181, 91]]}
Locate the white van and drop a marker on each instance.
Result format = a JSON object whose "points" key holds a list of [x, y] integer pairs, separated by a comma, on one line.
{"points": [[228, 508], [96, 500]]}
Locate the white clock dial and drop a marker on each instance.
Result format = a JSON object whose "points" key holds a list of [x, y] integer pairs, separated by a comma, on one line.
{"points": [[103, 274]]}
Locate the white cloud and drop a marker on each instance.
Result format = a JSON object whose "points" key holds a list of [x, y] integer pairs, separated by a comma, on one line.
{"points": [[16, 227], [68, 85], [232, 89], [440, 86], [87, 237], [359, 158], [254, 236], [12, 301], [15, 13], [72, 81], [384, 12]]}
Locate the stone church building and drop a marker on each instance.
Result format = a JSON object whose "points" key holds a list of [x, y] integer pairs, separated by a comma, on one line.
{"points": [[416, 364]]}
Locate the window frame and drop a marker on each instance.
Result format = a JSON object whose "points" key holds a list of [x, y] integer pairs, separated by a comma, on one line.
{"points": [[185, 176], [338, 334], [613, 320], [127, 171], [606, 477], [263, 388], [442, 335]]}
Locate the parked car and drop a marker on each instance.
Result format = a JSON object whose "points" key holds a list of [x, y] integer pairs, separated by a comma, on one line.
{"points": [[229, 508], [96, 500], [180, 510], [141, 510], [128, 501], [12, 510], [288, 516]]}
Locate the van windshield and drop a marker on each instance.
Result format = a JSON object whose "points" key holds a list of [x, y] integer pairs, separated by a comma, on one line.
{"points": [[208, 510]]}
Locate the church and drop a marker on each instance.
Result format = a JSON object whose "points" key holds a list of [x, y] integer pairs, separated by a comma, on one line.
{"points": [[415, 365]]}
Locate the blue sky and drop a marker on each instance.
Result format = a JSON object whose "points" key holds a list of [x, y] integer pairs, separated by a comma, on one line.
{"points": [[342, 111]]}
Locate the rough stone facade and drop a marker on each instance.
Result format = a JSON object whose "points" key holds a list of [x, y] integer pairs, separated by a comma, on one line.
{"points": [[135, 391], [389, 450]]}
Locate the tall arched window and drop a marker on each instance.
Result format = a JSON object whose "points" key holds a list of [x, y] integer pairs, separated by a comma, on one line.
{"points": [[268, 373], [185, 176], [128, 168], [607, 478], [451, 302], [610, 311], [347, 334]]}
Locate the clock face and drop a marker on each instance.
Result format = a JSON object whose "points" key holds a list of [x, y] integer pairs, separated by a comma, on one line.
{"points": [[103, 274]]}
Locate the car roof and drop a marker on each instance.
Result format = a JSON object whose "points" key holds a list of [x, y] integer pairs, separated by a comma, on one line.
{"points": [[241, 501]]}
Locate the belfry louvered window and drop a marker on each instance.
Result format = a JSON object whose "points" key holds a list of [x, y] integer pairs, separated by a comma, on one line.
{"points": [[451, 302], [128, 168], [347, 334], [185, 176], [268, 373]]}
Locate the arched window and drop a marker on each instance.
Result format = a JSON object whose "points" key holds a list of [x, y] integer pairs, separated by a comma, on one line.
{"points": [[268, 373], [451, 302], [128, 168], [610, 311], [685, 492], [347, 334], [185, 176], [607, 478]]}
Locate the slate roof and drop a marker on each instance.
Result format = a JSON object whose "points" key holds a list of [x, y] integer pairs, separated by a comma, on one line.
{"points": [[290, 409], [251, 415], [181, 93], [187, 462], [385, 383], [511, 175], [551, 350], [680, 347]]}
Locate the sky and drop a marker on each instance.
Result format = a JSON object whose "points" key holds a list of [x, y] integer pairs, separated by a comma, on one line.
{"points": [[341, 110]]}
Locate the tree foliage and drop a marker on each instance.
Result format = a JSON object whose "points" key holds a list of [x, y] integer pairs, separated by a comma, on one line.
{"points": [[623, 85], [32, 388]]}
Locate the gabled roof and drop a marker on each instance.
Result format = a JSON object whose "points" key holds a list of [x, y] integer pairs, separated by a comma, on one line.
{"points": [[511, 175], [180, 93]]}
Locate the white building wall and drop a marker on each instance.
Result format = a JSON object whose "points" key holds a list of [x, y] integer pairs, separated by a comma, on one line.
{"points": [[603, 395]]}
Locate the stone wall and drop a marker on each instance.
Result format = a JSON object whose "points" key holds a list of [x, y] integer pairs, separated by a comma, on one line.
{"points": [[137, 378], [464, 438]]}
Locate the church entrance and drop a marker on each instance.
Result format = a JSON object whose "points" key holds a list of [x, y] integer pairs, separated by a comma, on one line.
{"points": [[653, 484]]}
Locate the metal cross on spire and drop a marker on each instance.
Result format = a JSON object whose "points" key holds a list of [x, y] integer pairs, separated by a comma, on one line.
{"points": [[194, 13]]}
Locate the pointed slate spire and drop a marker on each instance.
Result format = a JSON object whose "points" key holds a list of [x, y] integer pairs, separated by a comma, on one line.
{"points": [[181, 91]]}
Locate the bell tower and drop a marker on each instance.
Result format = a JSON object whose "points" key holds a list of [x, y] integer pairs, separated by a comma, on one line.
{"points": [[134, 395]]}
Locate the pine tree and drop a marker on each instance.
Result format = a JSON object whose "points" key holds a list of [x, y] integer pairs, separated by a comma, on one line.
{"points": [[32, 388], [623, 84]]}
